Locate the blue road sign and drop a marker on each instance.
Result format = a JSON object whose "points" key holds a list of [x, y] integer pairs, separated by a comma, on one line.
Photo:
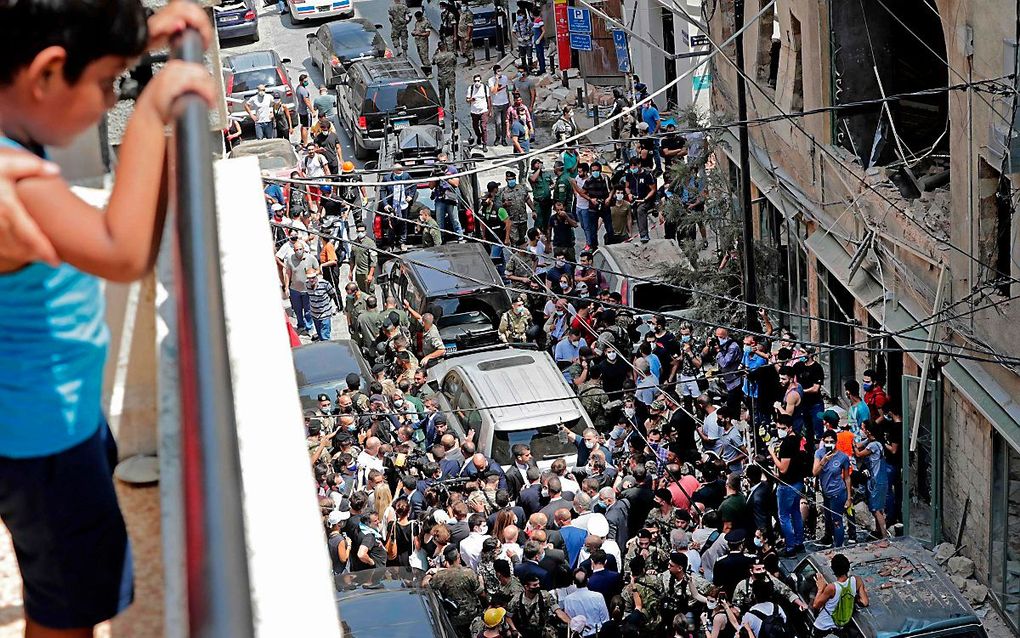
{"points": [[578, 20], [622, 54], [580, 41]]}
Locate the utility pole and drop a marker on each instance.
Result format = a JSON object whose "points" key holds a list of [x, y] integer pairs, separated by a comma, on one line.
{"points": [[750, 277]]}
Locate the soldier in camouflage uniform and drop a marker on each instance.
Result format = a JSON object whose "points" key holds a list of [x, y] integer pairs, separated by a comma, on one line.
{"points": [[430, 235], [421, 31], [680, 589], [364, 260], [465, 31], [645, 583], [515, 198], [398, 26], [535, 611], [460, 587], [663, 516], [742, 592], [354, 305], [642, 545], [445, 64], [593, 397], [514, 324]]}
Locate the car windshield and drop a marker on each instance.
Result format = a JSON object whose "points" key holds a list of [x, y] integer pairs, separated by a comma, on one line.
{"points": [[545, 443], [659, 297], [400, 614], [389, 97], [250, 80], [344, 39]]}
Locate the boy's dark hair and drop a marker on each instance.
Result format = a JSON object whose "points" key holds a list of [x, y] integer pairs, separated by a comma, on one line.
{"points": [[852, 387], [86, 29], [840, 565]]}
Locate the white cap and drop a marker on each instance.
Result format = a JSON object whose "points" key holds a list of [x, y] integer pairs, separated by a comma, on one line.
{"points": [[276, 207], [598, 525], [336, 517]]}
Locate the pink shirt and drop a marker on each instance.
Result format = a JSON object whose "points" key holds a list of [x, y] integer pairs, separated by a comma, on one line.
{"points": [[680, 500]]}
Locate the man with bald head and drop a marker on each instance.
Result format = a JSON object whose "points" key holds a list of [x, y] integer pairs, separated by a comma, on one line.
{"points": [[432, 346], [482, 466], [573, 537]]}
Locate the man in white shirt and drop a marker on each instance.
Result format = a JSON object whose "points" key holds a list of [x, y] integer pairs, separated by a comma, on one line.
{"points": [[471, 547], [587, 603], [480, 106], [499, 95], [260, 109], [764, 608], [369, 459]]}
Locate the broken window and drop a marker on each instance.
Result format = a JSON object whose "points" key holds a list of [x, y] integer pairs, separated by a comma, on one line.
{"points": [[768, 47], [994, 226], [884, 48], [797, 79]]}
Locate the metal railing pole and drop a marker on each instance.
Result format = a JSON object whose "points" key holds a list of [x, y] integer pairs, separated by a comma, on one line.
{"points": [[219, 596]]}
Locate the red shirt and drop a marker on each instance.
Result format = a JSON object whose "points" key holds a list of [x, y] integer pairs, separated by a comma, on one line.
{"points": [[690, 485], [875, 398]]}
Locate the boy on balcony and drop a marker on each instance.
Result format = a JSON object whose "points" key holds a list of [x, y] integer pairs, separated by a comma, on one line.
{"points": [[61, 60]]}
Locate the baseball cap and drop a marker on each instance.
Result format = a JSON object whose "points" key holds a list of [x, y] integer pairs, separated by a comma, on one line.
{"points": [[323, 397], [336, 517], [378, 398], [830, 416], [277, 207]]}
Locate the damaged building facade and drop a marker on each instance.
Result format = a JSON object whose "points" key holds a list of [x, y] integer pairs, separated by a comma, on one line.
{"points": [[889, 199]]}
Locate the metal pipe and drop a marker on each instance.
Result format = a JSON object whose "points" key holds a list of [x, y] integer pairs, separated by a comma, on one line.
{"points": [[750, 277], [219, 596]]}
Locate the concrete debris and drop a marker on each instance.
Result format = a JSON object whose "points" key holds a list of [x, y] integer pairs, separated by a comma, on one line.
{"points": [[960, 566], [976, 593], [959, 581], [944, 552]]}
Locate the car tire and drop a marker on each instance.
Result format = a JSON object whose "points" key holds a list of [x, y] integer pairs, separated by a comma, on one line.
{"points": [[360, 151], [256, 37]]}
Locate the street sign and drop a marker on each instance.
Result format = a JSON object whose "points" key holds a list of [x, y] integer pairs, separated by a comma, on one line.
{"points": [[622, 54], [560, 11], [700, 41], [579, 20], [580, 41]]}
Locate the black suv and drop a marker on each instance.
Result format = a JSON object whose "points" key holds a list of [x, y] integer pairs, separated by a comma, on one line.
{"points": [[467, 309], [384, 92]]}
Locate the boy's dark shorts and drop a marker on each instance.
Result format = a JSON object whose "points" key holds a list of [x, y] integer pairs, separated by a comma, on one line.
{"points": [[69, 535], [305, 119]]}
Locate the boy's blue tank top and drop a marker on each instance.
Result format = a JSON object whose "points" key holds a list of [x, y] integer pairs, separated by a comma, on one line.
{"points": [[53, 343]]}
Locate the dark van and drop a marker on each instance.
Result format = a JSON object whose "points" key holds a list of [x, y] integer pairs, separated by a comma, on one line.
{"points": [[380, 92]]}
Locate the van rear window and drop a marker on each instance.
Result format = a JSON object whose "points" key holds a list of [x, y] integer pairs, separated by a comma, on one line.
{"points": [[389, 97]]}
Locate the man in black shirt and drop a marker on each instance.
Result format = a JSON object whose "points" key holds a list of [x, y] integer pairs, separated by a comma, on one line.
{"points": [[327, 140], [674, 147], [811, 378], [596, 190], [640, 190], [788, 458]]}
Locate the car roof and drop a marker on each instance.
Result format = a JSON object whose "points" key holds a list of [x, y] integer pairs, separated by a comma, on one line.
{"points": [[381, 69], [427, 266], [643, 260], [276, 145], [351, 24], [252, 60], [907, 590], [327, 361], [528, 379], [387, 602]]}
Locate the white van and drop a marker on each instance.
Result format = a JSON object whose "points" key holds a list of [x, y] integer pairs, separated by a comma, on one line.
{"points": [[509, 396], [643, 263]]}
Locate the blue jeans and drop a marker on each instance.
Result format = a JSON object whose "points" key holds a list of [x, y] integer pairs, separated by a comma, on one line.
{"points": [[790, 521], [540, 54], [833, 522], [444, 210], [589, 224], [281, 6], [265, 130], [302, 308], [323, 327], [815, 412]]}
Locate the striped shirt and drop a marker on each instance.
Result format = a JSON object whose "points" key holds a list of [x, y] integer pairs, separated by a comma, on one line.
{"points": [[321, 299]]}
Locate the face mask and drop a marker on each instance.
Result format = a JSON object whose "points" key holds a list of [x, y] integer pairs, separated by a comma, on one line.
{"points": [[559, 313], [519, 310], [802, 359], [545, 492], [782, 433], [361, 234], [829, 446], [629, 412], [352, 427], [590, 445], [484, 529], [748, 349], [511, 183], [611, 355], [618, 431], [619, 197], [596, 173], [559, 264], [866, 386], [634, 171], [399, 403], [685, 338], [712, 604], [758, 542]]}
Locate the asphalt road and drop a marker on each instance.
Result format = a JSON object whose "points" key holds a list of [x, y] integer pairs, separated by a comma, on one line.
{"points": [[287, 38]]}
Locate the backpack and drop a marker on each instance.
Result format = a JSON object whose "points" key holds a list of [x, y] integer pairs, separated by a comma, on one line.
{"points": [[772, 625], [845, 599]]}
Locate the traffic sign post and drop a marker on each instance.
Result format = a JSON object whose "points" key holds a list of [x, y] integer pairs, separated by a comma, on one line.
{"points": [[580, 41], [622, 50], [579, 20]]}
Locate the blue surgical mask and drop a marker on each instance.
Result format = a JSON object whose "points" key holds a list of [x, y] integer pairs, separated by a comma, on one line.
{"points": [[866, 386], [511, 183], [802, 359], [634, 170], [748, 349], [685, 338], [596, 173]]}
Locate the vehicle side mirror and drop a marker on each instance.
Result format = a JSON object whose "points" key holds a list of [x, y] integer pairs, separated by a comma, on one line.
{"points": [[310, 36], [378, 26], [285, 61]]}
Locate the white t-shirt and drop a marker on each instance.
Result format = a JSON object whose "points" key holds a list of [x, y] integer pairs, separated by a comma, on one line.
{"points": [[263, 107], [314, 165], [477, 97], [582, 201], [765, 609], [501, 97]]}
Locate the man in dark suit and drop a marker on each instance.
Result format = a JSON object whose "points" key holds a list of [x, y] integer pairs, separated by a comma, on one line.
{"points": [[530, 567], [554, 561], [734, 566], [482, 465], [641, 499], [618, 515], [459, 529], [604, 581], [531, 496], [556, 500], [503, 504], [761, 500], [515, 476]]}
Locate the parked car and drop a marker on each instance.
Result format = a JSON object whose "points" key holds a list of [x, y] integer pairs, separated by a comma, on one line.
{"points": [[642, 262], [335, 46], [323, 366], [391, 602], [378, 92], [467, 311], [316, 9], [530, 400], [487, 19], [910, 595], [244, 72], [237, 19], [275, 155]]}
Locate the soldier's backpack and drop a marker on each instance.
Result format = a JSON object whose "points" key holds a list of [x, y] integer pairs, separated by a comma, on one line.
{"points": [[772, 625]]}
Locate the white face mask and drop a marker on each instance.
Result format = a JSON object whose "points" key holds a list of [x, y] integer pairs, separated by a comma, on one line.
{"points": [[590, 445], [611, 355], [782, 433], [545, 492], [629, 412], [484, 529], [399, 403], [361, 234], [619, 197], [712, 604]]}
